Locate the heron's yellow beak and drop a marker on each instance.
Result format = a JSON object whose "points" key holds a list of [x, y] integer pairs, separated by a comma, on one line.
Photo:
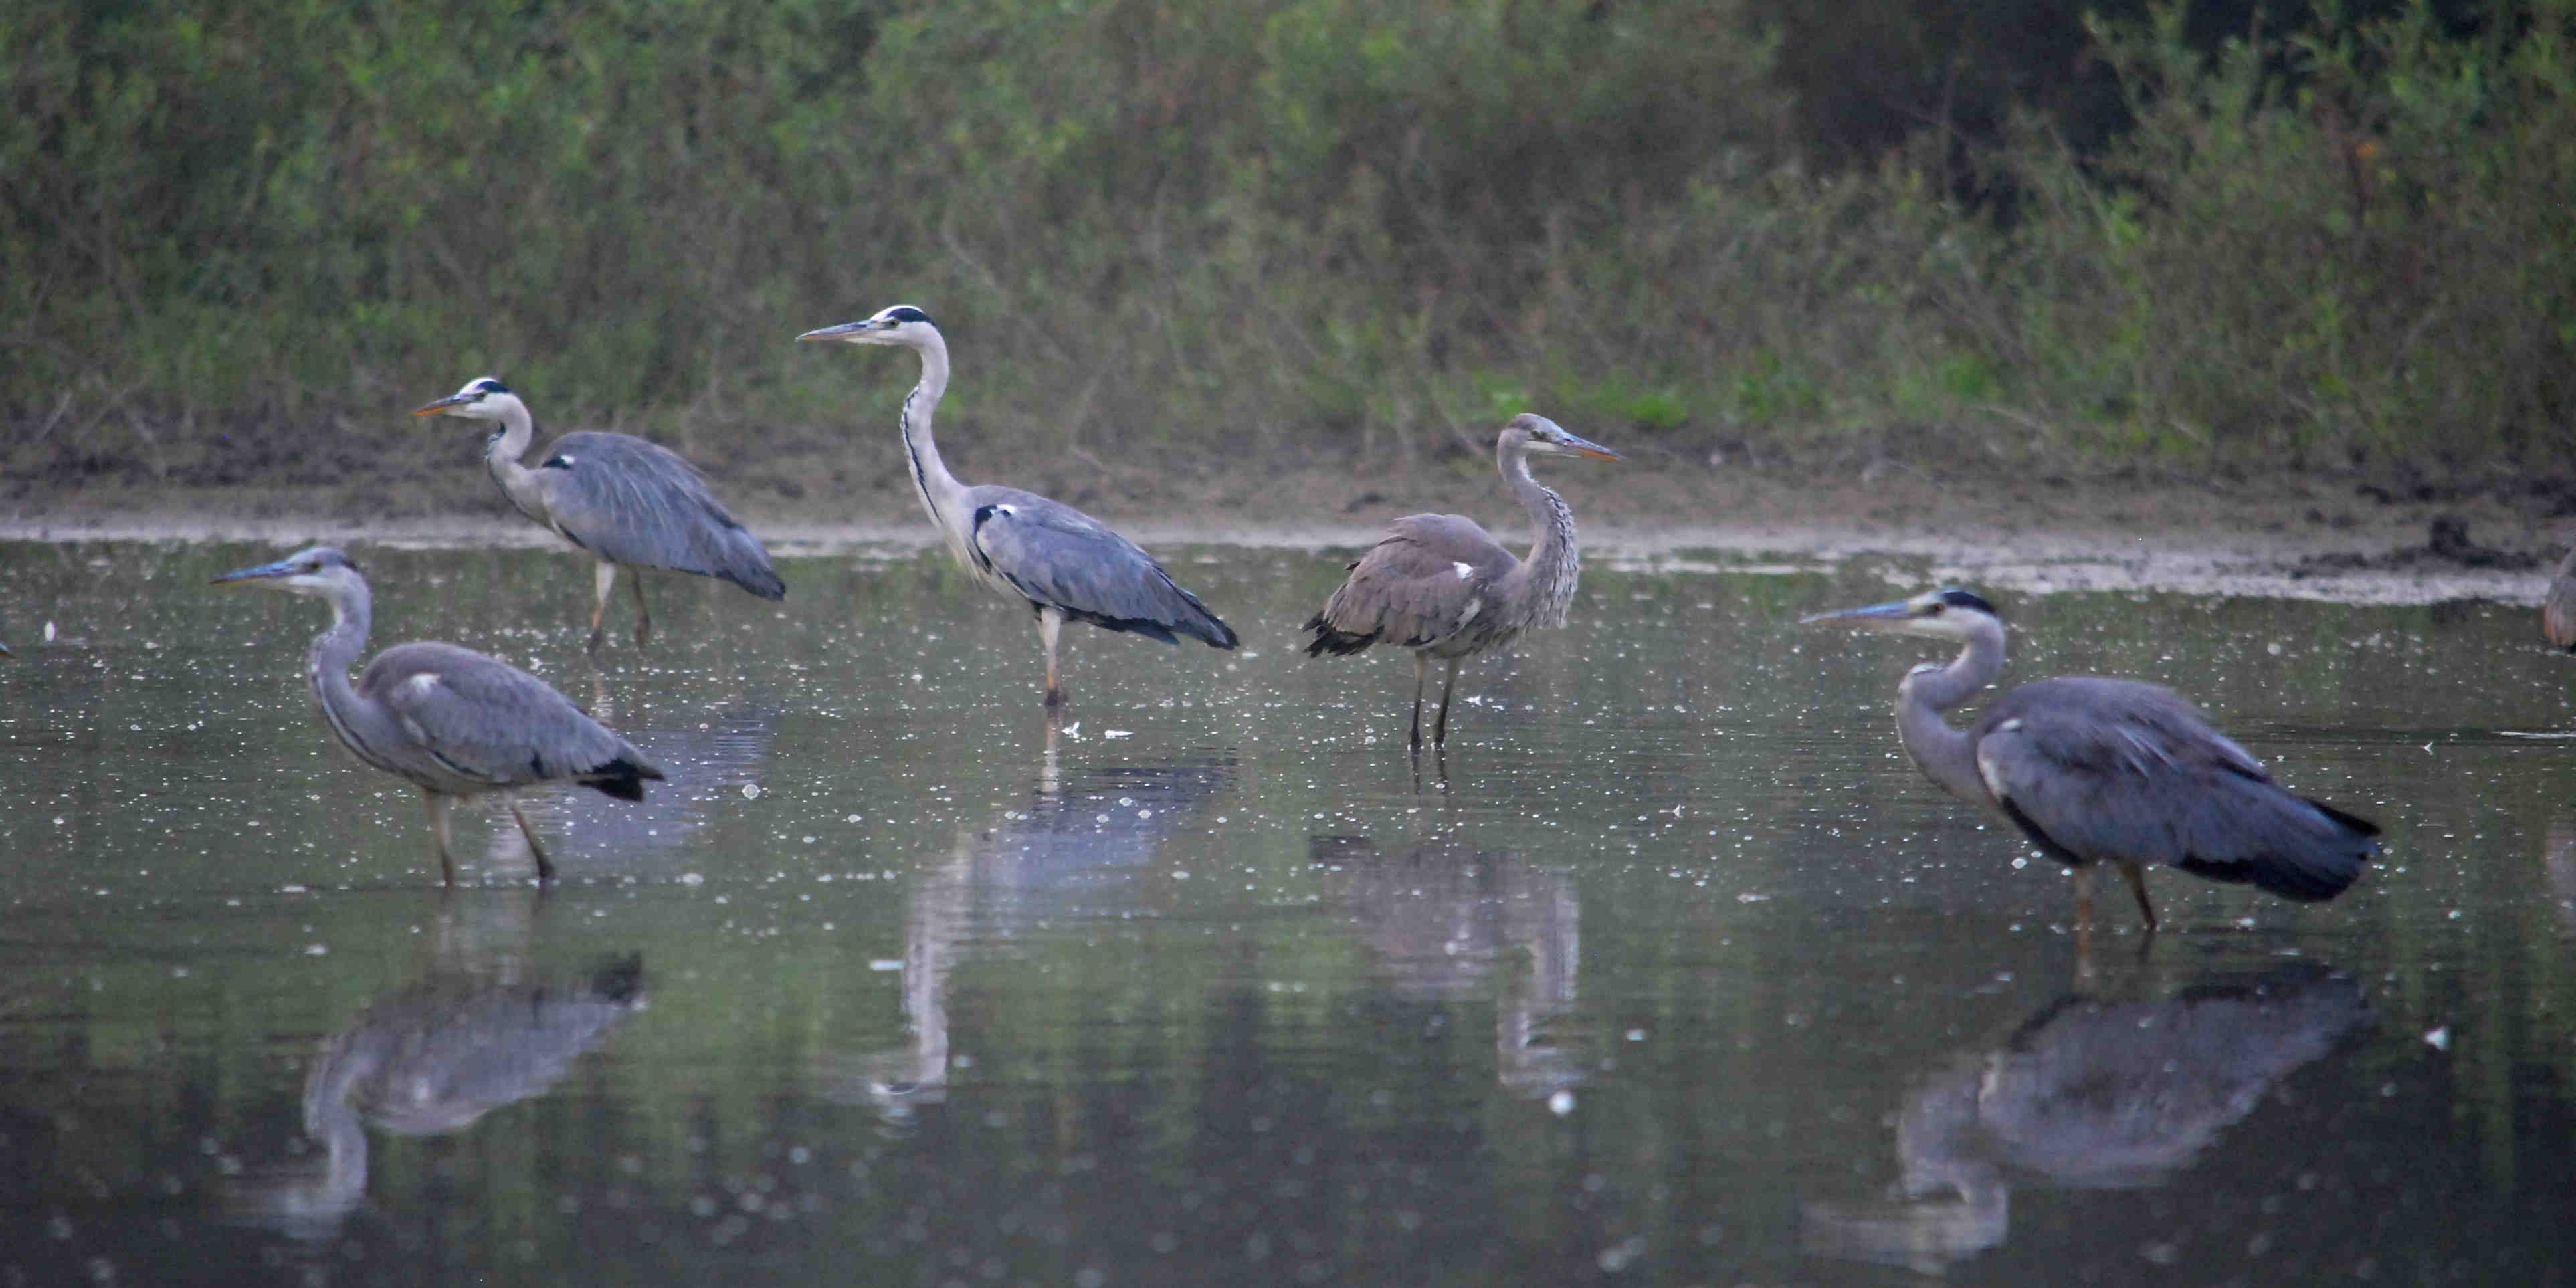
{"points": [[443, 404]]}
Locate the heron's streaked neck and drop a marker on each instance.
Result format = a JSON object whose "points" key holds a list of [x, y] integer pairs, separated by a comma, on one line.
{"points": [[1555, 558], [501, 453], [939, 489], [1947, 755], [362, 726]]}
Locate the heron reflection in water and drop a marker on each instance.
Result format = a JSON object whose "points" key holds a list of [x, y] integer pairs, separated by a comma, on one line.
{"points": [[1449, 923], [1071, 852], [478, 1030], [2086, 1094]]}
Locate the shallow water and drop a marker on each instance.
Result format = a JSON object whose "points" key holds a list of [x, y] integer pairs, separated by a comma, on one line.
{"points": [[1671, 971]]}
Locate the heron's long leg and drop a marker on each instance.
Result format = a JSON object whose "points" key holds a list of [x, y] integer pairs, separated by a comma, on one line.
{"points": [[643, 615], [1421, 672], [2137, 878], [438, 804], [545, 866], [603, 579], [1051, 625], [1448, 685]]}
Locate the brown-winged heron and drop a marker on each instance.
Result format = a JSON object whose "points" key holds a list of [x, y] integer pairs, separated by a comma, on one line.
{"points": [[451, 721], [629, 503], [2111, 771], [1064, 564], [1439, 584]]}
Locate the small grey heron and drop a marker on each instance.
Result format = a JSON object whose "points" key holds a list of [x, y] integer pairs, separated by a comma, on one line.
{"points": [[1440, 585], [1064, 564], [449, 720], [632, 504], [2116, 771], [2558, 609]]}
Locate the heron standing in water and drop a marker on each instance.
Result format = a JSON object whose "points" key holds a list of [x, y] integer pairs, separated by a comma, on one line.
{"points": [[1064, 564], [632, 504], [1439, 584], [451, 721], [2100, 770]]}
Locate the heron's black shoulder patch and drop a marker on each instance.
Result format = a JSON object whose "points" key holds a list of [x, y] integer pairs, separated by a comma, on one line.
{"points": [[906, 313], [557, 463], [1957, 598]]}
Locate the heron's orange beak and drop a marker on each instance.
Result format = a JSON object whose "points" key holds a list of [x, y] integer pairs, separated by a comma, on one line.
{"points": [[443, 404]]}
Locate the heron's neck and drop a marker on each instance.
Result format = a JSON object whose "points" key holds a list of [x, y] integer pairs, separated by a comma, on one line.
{"points": [[501, 453], [940, 490], [360, 725], [1947, 755], [1553, 562]]}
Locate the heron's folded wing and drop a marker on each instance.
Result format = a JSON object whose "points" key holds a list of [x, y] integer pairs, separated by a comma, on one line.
{"points": [[1061, 558], [638, 503], [1430, 576], [486, 719]]}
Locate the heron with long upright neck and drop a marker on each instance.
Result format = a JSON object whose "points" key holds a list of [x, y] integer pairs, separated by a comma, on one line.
{"points": [[452, 722], [627, 502], [1062, 563], [1440, 585], [2096, 770]]}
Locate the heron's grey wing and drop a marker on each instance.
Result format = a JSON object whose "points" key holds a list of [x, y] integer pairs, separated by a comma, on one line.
{"points": [[1064, 559], [1425, 580], [640, 504], [488, 721], [2114, 769]]}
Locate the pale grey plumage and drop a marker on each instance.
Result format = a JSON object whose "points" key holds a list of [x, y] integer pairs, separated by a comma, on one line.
{"points": [[630, 503], [1439, 584], [2094, 769], [1064, 564], [452, 722]]}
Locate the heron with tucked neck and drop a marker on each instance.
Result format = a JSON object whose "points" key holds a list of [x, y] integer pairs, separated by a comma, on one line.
{"points": [[629, 503], [2096, 770], [1062, 563], [452, 722]]}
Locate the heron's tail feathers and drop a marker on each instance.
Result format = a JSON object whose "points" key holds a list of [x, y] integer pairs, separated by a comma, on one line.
{"points": [[1328, 639], [622, 778], [2309, 851], [759, 580]]}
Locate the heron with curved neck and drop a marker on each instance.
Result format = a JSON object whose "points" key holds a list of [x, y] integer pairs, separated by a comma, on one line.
{"points": [[1063, 564], [453, 722], [1442, 586], [2095, 770], [628, 502]]}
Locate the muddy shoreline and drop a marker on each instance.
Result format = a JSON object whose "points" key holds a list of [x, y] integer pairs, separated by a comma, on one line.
{"points": [[2303, 537]]}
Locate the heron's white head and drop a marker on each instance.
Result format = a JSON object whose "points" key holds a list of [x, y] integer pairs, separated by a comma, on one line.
{"points": [[902, 324], [482, 398], [1545, 437], [1945, 614], [317, 570]]}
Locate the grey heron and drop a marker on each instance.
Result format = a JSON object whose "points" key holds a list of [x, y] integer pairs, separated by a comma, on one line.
{"points": [[2558, 609], [1440, 585], [630, 503], [2102, 770], [1064, 564], [450, 721]]}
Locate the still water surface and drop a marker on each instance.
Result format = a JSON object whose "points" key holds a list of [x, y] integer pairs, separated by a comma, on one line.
{"points": [[1670, 972]]}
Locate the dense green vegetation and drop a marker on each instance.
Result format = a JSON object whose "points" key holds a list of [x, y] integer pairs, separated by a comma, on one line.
{"points": [[1202, 226]]}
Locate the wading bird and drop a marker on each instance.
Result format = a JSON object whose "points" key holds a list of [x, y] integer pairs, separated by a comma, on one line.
{"points": [[2099, 770], [2558, 610], [449, 720], [1064, 564], [631, 504], [1442, 586]]}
